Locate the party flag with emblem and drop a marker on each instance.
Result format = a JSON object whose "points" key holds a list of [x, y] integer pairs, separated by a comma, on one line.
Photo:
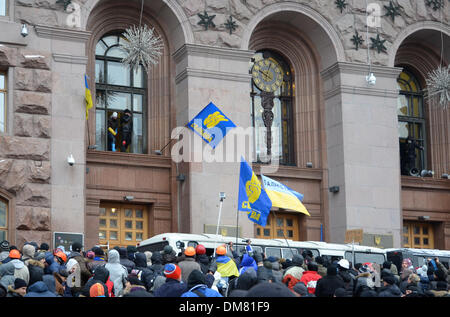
{"points": [[283, 196], [211, 124], [88, 97], [253, 199]]}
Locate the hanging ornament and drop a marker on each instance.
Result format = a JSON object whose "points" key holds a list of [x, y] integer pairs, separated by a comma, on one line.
{"points": [[142, 47], [438, 86]]}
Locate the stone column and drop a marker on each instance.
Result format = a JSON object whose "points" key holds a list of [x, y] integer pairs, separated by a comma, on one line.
{"points": [[219, 75], [363, 151]]}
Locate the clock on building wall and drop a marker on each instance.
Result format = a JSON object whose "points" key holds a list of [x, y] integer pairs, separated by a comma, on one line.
{"points": [[267, 74]]}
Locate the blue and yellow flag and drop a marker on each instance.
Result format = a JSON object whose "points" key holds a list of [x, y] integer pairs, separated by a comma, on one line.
{"points": [[253, 199], [282, 196], [88, 97], [211, 124]]}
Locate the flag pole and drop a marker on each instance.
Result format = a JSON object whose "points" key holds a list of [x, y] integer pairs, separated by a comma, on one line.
{"points": [[222, 197]]}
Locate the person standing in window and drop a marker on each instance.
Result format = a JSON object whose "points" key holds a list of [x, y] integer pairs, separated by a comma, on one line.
{"points": [[126, 124], [113, 125]]}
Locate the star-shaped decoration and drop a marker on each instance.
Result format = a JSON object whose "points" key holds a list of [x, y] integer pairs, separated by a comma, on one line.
{"points": [[65, 3], [392, 10], [378, 44], [357, 40], [206, 20], [435, 4], [231, 25], [341, 4]]}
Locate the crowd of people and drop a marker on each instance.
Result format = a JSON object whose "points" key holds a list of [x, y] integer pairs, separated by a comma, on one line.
{"points": [[37, 271]]}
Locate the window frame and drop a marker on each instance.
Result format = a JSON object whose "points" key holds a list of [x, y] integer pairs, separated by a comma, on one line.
{"points": [[5, 92], [7, 7], [105, 87], [6, 228], [413, 120], [287, 102]]}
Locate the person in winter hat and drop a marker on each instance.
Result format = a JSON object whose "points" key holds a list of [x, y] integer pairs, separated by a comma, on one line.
{"points": [[168, 255], [327, 285], [389, 288], [294, 273], [201, 258], [125, 261], [134, 287], [18, 290], [247, 262], [36, 268], [196, 286], [7, 277], [20, 269], [101, 275], [4, 250], [82, 261], [117, 272], [343, 271], [142, 271], [173, 287], [28, 251], [99, 259], [188, 264], [310, 277], [364, 281]]}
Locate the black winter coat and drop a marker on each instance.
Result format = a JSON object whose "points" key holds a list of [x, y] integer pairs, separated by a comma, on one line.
{"points": [[327, 285], [171, 288]]}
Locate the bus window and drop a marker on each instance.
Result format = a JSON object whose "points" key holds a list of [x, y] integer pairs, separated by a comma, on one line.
{"points": [[288, 253], [154, 247], [275, 252], [240, 249], [193, 244], [363, 257]]}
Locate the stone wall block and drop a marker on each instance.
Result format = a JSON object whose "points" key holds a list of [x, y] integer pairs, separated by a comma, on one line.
{"points": [[33, 218], [40, 172], [33, 80], [32, 59], [23, 236], [32, 102], [8, 56], [37, 149], [36, 195], [27, 125]]}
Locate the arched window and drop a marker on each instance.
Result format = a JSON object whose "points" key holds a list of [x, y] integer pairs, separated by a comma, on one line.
{"points": [[411, 125], [119, 89], [3, 219], [272, 95]]}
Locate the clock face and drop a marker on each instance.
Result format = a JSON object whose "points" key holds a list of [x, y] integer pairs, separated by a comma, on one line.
{"points": [[267, 75]]}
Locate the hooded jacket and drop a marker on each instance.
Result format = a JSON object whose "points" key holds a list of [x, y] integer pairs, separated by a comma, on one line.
{"points": [[294, 273], [327, 285], [39, 289], [117, 272], [21, 270], [310, 278], [125, 261], [101, 275], [246, 263], [36, 270], [187, 266], [28, 252], [389, 291], [171, 288], [197, 285], [204, 262], [7, 277], [142, 271]]}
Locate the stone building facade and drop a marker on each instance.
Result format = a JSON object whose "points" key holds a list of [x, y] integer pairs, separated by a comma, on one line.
{"points": [[341, 133]]}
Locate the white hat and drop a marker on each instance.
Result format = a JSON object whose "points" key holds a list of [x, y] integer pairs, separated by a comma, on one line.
{"points": [[114, 115], [344, 264]]}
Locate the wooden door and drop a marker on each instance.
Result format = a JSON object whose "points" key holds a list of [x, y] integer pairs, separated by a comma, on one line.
{"points": [[418, 235], [122, 225], [280, 226]]}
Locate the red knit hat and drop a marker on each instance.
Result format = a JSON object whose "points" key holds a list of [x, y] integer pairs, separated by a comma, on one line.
{"points": [[172, 271]]}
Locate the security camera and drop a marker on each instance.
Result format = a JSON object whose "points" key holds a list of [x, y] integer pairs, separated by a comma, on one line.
{"points": [[371, 79], [24, 31], [222, 196], [71, 160]]}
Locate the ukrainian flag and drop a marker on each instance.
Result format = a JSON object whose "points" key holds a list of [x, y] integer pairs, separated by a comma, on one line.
{"points": [[282, 196], [88, 97], [253, 199]]}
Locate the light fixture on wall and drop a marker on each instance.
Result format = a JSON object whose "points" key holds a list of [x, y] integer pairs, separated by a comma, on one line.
{"points": [[445, 176], [426, 173], [424, 218], [334, 189], [371, 79], [309, 164], [71, 160], [24, 30], [128, 198]]}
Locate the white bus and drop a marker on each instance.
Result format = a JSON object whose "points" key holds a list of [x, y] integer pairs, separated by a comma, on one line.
{"points": [[280, 248], [418, 256]]}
